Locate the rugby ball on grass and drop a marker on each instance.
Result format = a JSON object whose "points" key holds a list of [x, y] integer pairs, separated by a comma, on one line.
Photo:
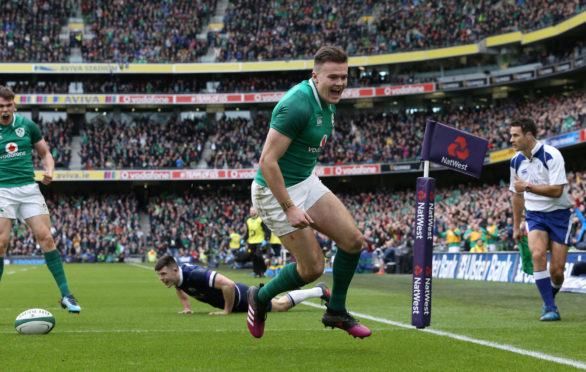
{"points": [[34, 322]]}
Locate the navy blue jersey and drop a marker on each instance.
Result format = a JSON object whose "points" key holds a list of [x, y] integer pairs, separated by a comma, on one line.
{"points": [[198, 282]]}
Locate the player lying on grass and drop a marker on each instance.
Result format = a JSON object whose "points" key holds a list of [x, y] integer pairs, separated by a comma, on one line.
{"points": [[221, 292]]}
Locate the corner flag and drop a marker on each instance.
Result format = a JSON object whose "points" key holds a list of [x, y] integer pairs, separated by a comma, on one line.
{"points": [[453, 148], [463, 153]]}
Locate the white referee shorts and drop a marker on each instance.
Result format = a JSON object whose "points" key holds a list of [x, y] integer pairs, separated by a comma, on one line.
{"points": [[22, 202], [304, 195]]}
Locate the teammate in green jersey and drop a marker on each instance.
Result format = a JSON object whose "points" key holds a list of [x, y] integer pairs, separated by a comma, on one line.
{"points": [[292, 201], [20, 196]]}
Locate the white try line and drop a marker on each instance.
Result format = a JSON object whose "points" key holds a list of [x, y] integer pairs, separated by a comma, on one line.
{"points": [[141, 266], [505, 347], [19, 270]]}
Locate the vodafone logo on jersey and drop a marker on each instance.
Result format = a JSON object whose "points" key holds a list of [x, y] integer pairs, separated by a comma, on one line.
{"points": [[11, 147]]}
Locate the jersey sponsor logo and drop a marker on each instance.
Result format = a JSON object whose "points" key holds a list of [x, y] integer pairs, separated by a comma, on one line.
{"points": [[322, 143], [19, 132], [12, 151], [11, 147], [319, 121]]}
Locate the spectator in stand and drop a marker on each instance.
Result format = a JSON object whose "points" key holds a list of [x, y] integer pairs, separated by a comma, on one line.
{"points": [[478, 246], [58, 135], [31, 33], [116, 145], [141, 32], [263, 30]]}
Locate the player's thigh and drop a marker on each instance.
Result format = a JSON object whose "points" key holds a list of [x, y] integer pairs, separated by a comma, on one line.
{"points": [[332, 218], [303, 245], [5, 229]]}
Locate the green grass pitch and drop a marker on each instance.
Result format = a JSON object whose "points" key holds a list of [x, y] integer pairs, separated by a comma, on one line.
{"points": [[129, 322]]}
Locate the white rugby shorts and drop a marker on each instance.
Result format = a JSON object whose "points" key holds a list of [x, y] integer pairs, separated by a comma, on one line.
{"points": [[22, 202], [304, 195]]}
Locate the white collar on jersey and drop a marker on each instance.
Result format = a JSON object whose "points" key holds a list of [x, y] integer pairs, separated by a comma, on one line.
{"points": [[535, 148], [315, 95]]}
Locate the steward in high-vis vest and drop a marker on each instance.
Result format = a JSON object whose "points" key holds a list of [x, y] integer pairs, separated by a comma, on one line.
{"points": [[256, 235]]}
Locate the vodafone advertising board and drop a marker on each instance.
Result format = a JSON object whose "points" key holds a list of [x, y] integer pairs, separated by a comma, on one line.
{"points": [[236, 174], [203, 99]]}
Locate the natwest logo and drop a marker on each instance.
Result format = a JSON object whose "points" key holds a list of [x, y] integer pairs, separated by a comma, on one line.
{"points": [[421, 195], [458, 148], [418, 270], [11, 147]]}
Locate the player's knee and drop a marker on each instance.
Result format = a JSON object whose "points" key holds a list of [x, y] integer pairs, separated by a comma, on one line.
{"points": [[355, 243], [556, 274], [311, 273], [539, 256], [45, 240]]}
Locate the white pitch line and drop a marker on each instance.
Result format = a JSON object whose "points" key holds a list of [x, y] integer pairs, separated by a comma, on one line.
{"points": [[505, 347], [17, 271], [139, 265]]}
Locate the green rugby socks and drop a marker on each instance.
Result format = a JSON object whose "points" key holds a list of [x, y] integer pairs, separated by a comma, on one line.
{"points": [[344, 267], [287, 280], [53, 261]]}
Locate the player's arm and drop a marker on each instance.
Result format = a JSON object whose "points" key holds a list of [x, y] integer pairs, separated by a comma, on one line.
{"points": [[48, 163], [228, 288], [184, 298], [518, 201], [275, 147], [552, 191]]}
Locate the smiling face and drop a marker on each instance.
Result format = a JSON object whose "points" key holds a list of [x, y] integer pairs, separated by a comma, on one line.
{"points": [[6, 111], [330, 79], [521, 142], [168, 276]]}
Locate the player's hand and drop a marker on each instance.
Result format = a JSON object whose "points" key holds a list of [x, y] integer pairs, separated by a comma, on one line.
{"points": [[298, 217], [186, 311], [519, 184], [516, 234], [218, 313], [47, 177]]}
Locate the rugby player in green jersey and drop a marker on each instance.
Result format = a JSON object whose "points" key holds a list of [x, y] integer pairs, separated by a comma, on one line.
{"points": [[292, 201], [20, 196]]}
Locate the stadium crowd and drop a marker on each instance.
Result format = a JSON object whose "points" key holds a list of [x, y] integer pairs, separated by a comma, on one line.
{"points": [[358, 138], [92, 228], [58, 134], [376, 138], [145, 32], [161, 32], [30, 32], [238, 143], [264, 30], [198, 222], [143, 144]]}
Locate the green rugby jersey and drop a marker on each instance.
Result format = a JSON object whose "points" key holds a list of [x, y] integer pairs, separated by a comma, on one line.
{"points": [[302, 116], [16, 146]]}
